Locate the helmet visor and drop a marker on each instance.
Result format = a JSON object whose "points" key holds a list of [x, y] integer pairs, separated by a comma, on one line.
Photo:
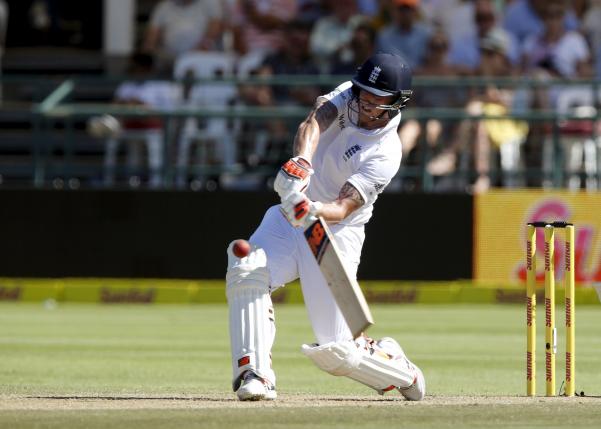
{"points": [[359, 108]]}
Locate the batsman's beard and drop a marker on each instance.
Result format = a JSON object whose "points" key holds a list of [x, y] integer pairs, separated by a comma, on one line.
{"points": [[360, 118]]}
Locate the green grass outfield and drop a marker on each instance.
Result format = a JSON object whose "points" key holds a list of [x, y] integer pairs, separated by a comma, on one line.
{"points": [[147, 366]]}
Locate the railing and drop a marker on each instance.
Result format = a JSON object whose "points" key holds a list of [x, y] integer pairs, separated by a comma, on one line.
{"points": [[60, 115]]}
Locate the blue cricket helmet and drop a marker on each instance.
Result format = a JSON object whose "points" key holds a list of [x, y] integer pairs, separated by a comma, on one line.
{"points": [[385, 74]]}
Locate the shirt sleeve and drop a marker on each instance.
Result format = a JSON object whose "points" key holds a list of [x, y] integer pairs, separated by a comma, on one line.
{"points": [[373, 176], [339, 96], [581, 51]]}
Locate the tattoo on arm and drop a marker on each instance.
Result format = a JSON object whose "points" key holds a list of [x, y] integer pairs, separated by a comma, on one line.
{"points": [[307, 136], [325, 114], [349, 192]]}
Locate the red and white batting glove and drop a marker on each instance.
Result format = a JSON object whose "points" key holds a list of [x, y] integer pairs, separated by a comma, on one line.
{"points": [[294, 176], [300, 210]]}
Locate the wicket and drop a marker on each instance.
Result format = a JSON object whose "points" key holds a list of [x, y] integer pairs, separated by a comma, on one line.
{"points": [[550, 330]]}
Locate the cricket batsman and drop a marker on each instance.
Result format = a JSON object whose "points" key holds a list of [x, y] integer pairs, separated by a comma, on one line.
{"points": [[345, 153]]}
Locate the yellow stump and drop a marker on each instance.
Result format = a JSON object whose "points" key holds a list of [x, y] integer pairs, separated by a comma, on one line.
{"points": [[569, 300], [531, 311], [550, 332]]}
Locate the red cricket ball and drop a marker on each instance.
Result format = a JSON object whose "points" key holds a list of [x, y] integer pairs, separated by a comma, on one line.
{"points": [[241, 248]]}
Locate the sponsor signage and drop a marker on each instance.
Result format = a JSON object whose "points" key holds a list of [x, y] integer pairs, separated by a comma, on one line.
{"points": [[500, 219]]}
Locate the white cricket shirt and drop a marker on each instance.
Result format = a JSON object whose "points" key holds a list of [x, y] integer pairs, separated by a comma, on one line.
{"points": [[368, 159]]}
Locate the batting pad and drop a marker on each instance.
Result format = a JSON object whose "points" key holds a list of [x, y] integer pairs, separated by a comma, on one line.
{"points": [[374, 370], [251, 316]]}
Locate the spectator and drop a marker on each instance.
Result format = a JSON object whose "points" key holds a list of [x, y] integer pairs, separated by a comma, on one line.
{"points": [[259, 25], [333, 32], [144, 92], [465, 51], [382, 17], [552, 53], [293, 58], [555, 49], [358, 50], [454, 17], [524, 18], [437, 61], [504, 134], [592, 30], [259, 136], [436, 64], [557, 52], [179, 26], [405, 35]]}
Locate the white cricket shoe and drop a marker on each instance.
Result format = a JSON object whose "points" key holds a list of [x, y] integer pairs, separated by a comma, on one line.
{"points": [[417, 390], [255, 388]]}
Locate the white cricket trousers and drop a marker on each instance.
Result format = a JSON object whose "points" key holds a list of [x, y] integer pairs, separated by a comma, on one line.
{"points": [[289, 258]]}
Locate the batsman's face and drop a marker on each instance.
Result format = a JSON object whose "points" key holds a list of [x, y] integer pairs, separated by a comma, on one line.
{"points": [[370, 114]]}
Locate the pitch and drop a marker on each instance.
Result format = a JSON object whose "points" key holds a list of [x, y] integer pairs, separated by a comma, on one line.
{"points": [[75, 365]]}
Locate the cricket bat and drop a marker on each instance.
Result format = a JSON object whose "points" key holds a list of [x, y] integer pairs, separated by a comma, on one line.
{"points": [[344, 287]]}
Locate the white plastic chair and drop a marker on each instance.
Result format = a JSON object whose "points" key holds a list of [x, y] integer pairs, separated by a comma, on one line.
{"points": [[152, 138], [582, 152], [213, 95]]}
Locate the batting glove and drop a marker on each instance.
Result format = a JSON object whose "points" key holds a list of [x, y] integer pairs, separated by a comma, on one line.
{"points": [[294, 176], [300, 210]]}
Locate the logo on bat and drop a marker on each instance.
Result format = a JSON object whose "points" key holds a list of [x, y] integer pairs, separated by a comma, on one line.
{"points": [[317, 239]]}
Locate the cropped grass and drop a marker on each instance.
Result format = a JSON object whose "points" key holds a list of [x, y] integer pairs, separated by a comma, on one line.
{"points": [[182, 352]]}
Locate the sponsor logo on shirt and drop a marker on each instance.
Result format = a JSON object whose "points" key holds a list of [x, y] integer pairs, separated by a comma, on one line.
{"points": [[341, 122], [350, 152], [378, 188]]}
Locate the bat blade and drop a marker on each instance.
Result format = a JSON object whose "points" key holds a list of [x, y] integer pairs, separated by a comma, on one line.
{"points": [[344, 287]]}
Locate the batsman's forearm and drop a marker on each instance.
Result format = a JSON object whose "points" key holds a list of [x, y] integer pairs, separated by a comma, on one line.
{"points": [[334, 212], [306, 139]]}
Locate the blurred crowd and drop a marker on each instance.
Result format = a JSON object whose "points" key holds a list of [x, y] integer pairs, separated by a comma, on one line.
{"points": [[326, 36], [539, 39], [455, 39]]}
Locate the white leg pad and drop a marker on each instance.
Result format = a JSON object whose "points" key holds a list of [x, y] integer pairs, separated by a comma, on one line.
{"points": [[251, 316], [376, 369]]}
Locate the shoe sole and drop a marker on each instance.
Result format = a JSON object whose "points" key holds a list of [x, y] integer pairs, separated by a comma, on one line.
{"points": [[259, 394], [252, 398], [258, 397]]}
